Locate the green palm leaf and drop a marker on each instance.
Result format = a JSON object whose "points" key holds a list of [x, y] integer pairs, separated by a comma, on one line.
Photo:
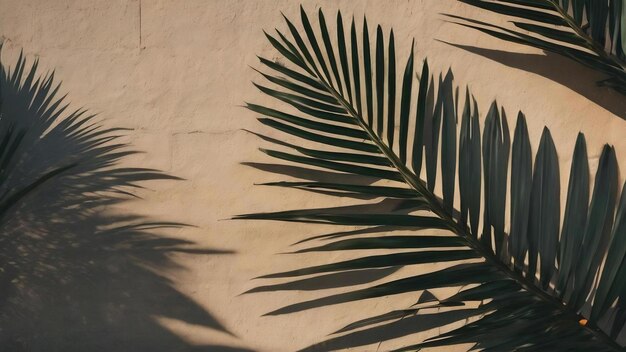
{"points": [[529, 302], [592, 32]]}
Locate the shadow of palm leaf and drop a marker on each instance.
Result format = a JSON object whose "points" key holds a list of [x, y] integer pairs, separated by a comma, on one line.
{"points": [[557, 69], [363, 269], [218, 348], [406, 324], [76, 275], [588, 31]]}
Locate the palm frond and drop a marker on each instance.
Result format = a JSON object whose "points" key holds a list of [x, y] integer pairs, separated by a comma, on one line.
{"points": [[591, 32], [534, 282]]}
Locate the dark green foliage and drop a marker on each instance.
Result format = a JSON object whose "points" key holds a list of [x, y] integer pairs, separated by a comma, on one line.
{"points": [[532, 304]]}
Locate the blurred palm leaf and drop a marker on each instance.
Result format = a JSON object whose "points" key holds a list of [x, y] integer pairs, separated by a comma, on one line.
{"points": [[535, 282], [72, 265], [13, 134], [592, 32], [42, 140]]}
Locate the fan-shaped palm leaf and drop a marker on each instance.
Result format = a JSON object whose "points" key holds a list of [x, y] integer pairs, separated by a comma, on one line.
{"points": [[347, 108], [592, 32]]}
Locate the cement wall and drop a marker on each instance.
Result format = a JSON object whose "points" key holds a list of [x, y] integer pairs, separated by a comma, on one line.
{"points": [[176, 73]]}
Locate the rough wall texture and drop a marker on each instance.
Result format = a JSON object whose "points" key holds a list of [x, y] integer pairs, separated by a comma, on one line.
{"points": [[176, 73]]}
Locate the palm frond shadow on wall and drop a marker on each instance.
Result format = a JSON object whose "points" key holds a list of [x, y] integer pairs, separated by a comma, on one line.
{"points": [[590, 32], [75, 276], [532, 286]]}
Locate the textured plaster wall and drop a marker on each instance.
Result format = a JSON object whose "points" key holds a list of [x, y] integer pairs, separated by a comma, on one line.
{"points": [[176, 72]]}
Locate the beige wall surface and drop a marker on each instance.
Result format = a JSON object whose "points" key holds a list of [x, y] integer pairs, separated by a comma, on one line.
{"points": [[176, 74]]}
